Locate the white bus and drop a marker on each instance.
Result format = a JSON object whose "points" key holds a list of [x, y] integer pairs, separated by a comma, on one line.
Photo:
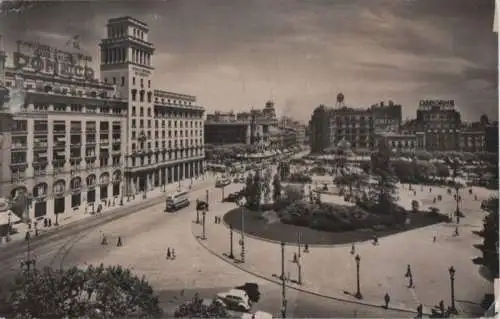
{"points": [[177, 201]]}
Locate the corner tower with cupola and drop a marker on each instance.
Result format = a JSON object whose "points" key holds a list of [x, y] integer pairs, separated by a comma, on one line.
{"points": [[126, 62]]}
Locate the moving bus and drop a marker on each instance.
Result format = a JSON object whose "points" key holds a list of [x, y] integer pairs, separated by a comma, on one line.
{"points": [[177, 201]]}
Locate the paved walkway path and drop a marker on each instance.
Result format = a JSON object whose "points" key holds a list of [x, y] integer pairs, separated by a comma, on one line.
{"points": [[331, 271]]}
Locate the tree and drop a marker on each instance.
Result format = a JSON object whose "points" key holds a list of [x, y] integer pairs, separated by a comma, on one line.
{"points": [[489, 248], [249, 190], [384, 191], [198, 308], [442, 170], [106, 292], [276, 187], [266, 185]]}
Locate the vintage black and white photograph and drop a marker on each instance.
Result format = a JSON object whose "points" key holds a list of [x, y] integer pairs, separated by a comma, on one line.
{"points": [[248, 159]]}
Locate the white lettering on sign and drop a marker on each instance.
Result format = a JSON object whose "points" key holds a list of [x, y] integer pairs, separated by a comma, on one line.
{"points": [[441, 103], [141, 72]]}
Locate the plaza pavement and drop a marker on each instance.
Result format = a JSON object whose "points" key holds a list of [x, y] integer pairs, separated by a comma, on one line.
{"points": [[148, 233], [331, 271], [70, 217]]}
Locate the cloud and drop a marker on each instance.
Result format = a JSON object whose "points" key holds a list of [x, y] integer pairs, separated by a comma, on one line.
{"points": [[237, 53]]}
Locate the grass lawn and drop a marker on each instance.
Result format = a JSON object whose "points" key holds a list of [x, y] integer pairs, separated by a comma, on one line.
{"points": [[258, 226]]}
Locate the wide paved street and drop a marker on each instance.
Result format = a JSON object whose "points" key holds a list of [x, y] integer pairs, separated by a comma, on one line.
{"points": [[147, 233]]}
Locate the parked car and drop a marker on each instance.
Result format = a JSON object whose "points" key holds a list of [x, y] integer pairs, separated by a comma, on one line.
{"points": [[233, 197], [222, 182], [252, 290], [235, 299]]}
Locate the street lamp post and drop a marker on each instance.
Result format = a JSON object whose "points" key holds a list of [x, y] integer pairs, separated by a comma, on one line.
{"points": [[452, 282], [204, 213], [242, 234], [30, 261], [231, 255], [358, 288], [222, 199], [283, 282]]}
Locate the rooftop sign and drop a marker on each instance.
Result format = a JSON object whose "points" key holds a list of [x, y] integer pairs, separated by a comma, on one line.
{"points": [[438, 103], [40, 58]]}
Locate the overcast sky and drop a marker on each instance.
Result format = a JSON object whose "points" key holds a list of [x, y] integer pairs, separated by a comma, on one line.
{"points": [[233, 54]]}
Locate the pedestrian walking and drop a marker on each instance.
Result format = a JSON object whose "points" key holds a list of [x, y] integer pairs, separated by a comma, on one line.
{"points": [[419, 311], [408, 271], [456, 232], [104, 241], [119, 242], [173, 253], [434, 238], [168, 253], [387, 299], [295, 259], [353, 249], [306, 248]]}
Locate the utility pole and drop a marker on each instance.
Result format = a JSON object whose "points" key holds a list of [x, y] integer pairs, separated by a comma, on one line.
{"points": [[283, 282]]}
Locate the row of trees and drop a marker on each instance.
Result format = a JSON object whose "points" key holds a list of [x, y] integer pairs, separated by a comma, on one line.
{"points": [[258, 187], [489, 233]]}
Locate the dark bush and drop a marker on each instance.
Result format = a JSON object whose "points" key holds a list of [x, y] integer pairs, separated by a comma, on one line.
{"points": [[299, 178]]}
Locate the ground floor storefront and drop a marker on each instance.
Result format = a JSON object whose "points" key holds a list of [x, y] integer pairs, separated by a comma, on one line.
{"points": [[90, 192]]}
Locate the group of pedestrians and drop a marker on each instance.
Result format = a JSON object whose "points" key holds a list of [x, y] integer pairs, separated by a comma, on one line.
{"points": [[171, 253], [217, 219]]}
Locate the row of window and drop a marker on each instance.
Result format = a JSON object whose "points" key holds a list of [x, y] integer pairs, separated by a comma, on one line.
{"points": [[165, 124], [196, 143], [122, 82]]}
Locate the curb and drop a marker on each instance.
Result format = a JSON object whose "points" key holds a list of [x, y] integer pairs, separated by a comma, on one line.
{"points": [[277, 242], [202, 244]]}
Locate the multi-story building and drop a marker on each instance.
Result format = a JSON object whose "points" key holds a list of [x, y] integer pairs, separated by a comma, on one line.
{"points": [[77, 141], [491, 137], [472, 137], [386, 117], [319, 129], [357, 126], [440, 123], [256, 127]]}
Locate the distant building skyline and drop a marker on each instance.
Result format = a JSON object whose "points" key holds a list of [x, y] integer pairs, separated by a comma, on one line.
{"points": [[236, 54]]}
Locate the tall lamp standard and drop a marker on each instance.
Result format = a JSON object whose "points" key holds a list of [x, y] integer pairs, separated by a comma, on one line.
{"points": [[242, 241], [231, 255], [204, 213], [9, 220], [358, 289], [30, 261], [451, 270]]}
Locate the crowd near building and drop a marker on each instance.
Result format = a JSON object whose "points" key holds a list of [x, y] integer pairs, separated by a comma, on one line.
{"points": [[261, 128], [71, 141], [437, 127]]}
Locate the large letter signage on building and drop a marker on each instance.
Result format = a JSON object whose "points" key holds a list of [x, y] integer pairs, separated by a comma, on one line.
{"points": [[438, 103], [45, 59]]}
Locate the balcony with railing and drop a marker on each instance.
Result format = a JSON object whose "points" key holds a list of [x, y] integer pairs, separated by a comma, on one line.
{"points": [[59, 128], [40, 158], [19, 143], [59, 142]]}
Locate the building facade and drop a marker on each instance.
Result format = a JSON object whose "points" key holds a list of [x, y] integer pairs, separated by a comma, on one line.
{"points": [[256, 127], [440, 123], [77, 141]]}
